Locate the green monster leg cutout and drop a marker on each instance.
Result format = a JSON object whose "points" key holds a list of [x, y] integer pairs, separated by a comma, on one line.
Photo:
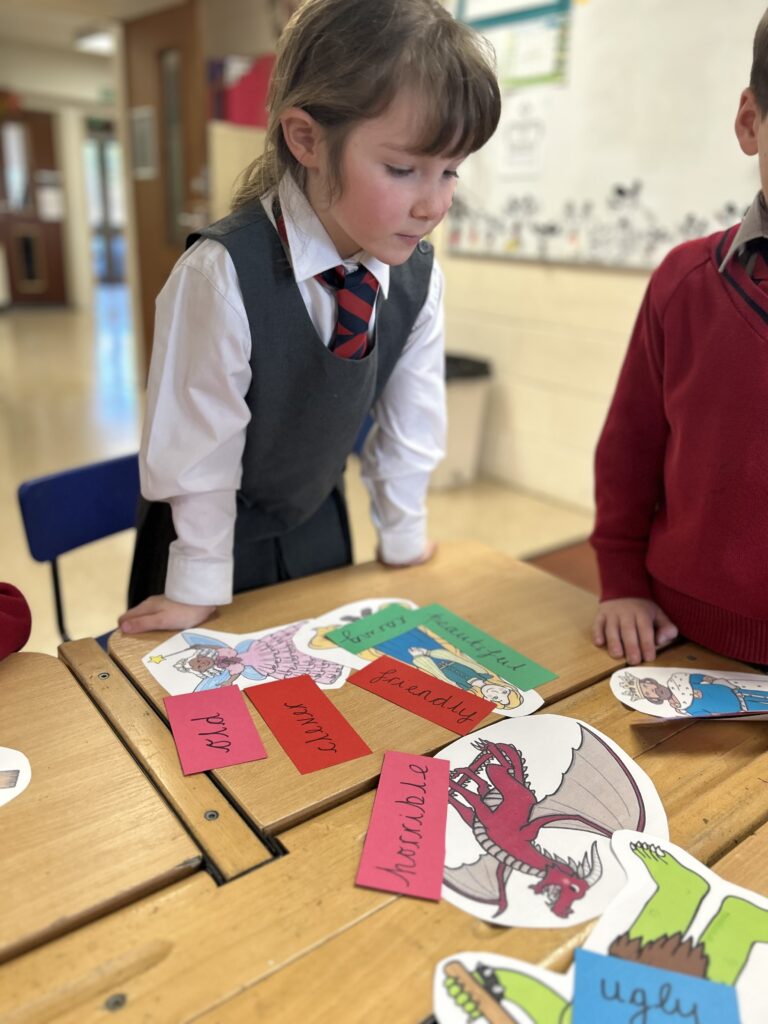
{"points": [[679, 892], [540, 1002], [730, 935]]}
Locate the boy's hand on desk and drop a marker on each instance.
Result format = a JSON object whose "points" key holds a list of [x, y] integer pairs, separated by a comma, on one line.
{"points": [[633, 627], [160, 612], [425, 556]]}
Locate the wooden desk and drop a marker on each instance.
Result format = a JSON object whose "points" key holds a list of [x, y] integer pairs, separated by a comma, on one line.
{"points": [[546, 619], [89, 833], [295, 939]]}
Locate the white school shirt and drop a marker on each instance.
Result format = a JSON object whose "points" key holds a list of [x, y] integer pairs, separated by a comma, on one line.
{"points": [[196, 418]]}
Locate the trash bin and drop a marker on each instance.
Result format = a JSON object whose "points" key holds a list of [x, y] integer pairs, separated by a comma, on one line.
{"points": [[467, 383]]}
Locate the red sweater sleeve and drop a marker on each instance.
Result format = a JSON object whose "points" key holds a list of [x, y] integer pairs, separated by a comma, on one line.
{"points": [[15, 619], [629, 462]]}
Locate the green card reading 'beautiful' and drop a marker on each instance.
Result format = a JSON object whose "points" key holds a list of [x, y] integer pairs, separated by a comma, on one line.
{"points": [[435, 621]]}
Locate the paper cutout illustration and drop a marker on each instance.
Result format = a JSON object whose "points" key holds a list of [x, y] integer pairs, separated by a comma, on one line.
{"points": [[205, 659], [673, 912], [307, 725], [682, 693], [614, 991], [404, 848], [497, 658], [213, 729], [412, 637], [532, 805], [423, 694], [15, 774]]}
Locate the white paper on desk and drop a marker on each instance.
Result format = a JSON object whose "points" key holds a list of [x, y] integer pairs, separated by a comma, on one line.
{"points": [[15, 774], [672, 912], [532, 805], [691, 693], [204, 659]]}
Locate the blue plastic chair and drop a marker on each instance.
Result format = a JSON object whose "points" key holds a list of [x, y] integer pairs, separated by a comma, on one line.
{"points": [[65, 510]]}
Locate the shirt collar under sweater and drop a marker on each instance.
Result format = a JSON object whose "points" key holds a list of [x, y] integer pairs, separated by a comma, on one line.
{"points": [[754, 226], [311, 249]]}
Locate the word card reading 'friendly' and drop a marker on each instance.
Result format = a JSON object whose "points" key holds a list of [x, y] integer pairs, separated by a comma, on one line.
{"points": [[307, 725], [423, 694], [213, 729], [404, 849]]}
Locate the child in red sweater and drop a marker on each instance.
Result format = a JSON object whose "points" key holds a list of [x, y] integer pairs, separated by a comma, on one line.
{"points": [[15, 620], [681, 533]]}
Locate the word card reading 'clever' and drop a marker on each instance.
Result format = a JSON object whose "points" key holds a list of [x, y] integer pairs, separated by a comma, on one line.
{"points": [[423, 694], [213, 729], [306, 724], [404, 848]]}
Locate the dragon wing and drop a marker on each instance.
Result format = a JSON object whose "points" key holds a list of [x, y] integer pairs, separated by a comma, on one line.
{"points": [[597, 793], [477, 881]]}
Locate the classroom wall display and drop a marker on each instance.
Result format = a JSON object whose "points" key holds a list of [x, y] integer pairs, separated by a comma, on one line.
{"points": [[672, 913], [682, 693], [616, 137], [532, 805]]}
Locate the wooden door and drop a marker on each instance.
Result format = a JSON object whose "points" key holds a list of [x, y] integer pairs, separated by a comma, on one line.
{"points": [[166, 87], [31, 209]]}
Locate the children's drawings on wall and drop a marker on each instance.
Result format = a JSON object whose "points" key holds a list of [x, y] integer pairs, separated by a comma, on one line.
{"points": [[204, 659], [532, 806], [682, 693], [15, 774], [598, 157], [672, 913]]}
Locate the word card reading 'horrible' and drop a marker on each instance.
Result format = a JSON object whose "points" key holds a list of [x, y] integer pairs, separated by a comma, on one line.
{"points": [[404, 849], [307, 725], [213, 729]]}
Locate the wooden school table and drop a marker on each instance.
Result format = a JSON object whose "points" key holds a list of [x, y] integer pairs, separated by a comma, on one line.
{"points": [[290, 937]]}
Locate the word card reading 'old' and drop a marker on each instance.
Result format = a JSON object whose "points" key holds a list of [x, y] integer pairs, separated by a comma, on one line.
{"points": [[213, 729]]}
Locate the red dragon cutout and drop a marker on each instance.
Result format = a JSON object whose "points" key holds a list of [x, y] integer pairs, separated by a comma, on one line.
{"points": [[596, 794]]}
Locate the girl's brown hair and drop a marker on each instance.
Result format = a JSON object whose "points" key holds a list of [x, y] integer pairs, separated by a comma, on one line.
{"points": [[758, 79], [344, 60]]}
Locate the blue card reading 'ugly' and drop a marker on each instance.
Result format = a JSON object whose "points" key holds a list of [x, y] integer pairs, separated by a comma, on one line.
{"points": [[615, 991]]}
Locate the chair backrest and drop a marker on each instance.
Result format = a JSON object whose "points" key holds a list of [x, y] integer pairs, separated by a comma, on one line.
{"points": [[65, 510]]}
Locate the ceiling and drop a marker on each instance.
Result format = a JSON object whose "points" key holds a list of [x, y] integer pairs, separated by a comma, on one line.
{"points": [[54, 23]]}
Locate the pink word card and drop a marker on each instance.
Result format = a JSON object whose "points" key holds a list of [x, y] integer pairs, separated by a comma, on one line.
{"points": [[404, 849], [307, 725], [423, 694], [213, 729]]}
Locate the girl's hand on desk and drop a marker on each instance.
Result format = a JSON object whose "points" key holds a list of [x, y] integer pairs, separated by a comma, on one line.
{"points": [[425, 556], [160, 612], [633, 627]]}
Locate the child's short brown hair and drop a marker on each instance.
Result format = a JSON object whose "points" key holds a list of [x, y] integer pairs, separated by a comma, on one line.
{"points": [[758, 79], [344, 60]]}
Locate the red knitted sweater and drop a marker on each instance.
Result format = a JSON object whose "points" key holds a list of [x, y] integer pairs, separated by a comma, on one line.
{"points": [[15, 619], [682, 463]]}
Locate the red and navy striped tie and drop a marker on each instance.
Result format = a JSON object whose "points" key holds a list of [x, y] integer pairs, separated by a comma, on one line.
{"points": [[355, 296]]}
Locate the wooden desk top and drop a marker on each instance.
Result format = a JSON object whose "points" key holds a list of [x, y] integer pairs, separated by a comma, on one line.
{"points": [[544, 618], [297, 940], [89, 833]]}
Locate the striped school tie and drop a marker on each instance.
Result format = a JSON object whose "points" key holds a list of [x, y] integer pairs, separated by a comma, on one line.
{"points": [[355, 297]]}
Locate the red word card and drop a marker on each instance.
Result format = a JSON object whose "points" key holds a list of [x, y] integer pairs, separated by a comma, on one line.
{"points": [[404, 849], [307, 725], [423, 694], [213, 729]]}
